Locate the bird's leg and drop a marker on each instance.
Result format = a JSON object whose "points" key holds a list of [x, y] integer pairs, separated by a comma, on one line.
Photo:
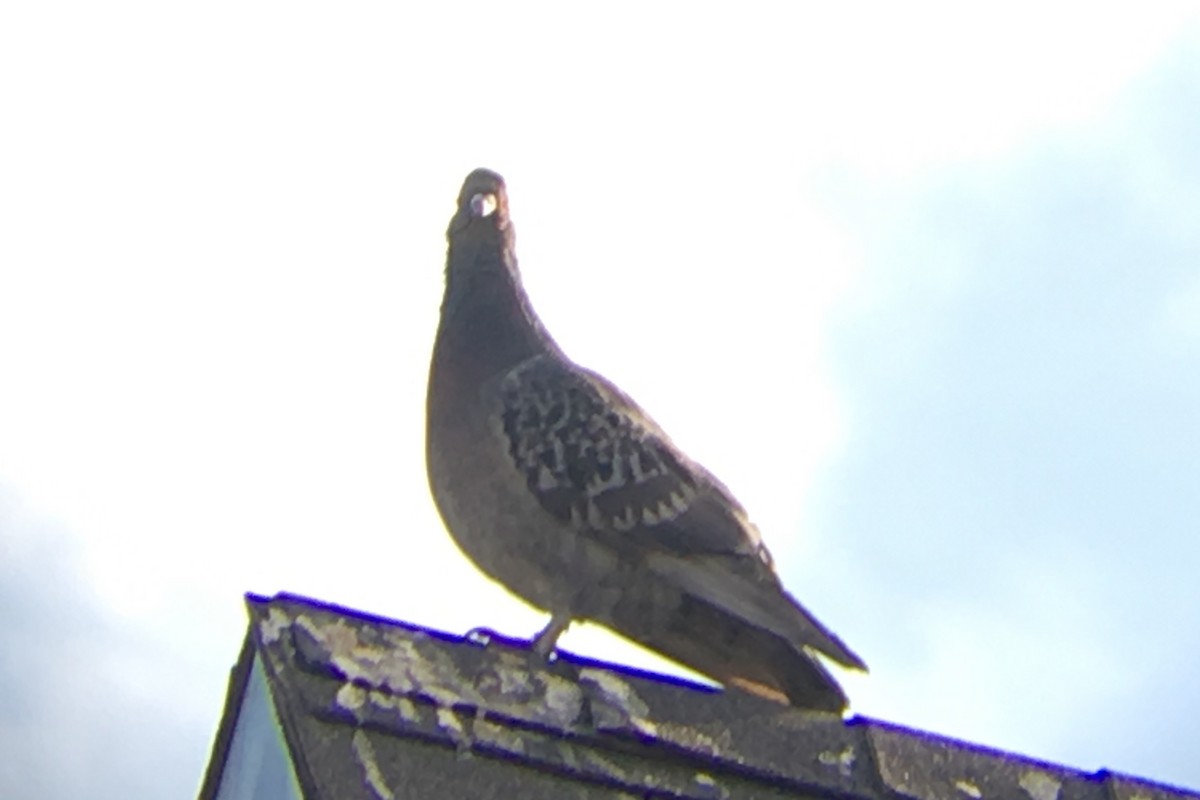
{"points": [[543, 643]]}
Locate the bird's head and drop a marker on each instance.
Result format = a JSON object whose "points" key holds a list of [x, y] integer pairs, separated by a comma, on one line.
{"points": [[482, 205]]}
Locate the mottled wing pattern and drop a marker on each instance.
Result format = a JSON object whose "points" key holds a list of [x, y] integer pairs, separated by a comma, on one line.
{"points": [[595, 460]]}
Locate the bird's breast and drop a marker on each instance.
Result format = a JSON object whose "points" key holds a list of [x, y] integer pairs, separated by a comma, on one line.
{"points": [[491, 515]]}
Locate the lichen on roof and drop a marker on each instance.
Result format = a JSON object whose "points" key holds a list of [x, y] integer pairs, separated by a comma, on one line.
{"points": [[373, 708]]}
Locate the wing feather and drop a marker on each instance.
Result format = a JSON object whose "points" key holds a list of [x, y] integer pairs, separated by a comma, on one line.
{"points": [[594, 459]]}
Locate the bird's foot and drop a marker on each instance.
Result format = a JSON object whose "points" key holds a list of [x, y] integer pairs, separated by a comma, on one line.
{"points": [[481, 636], [543, 644]]}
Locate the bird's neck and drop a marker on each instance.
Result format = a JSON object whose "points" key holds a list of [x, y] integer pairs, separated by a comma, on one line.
{"points": [[487, 319]]}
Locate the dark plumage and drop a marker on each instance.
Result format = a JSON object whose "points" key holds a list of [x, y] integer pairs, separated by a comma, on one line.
{"points": [[557, 485]]}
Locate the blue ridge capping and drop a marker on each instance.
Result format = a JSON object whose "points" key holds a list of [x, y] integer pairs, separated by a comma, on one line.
{"points": [[377, 708]]}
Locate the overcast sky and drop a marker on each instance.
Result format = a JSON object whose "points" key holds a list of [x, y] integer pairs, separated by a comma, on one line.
{"points": [[921, 286]]}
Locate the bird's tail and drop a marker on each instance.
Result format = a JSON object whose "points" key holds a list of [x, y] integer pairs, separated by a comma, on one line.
{"points": [[719, 644]]}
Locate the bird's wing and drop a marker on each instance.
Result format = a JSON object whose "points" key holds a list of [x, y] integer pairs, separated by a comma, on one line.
{"points": [[599, 464], [595, 460]]}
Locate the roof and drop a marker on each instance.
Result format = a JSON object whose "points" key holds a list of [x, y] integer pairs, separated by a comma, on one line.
{"points": [[374, 708]]}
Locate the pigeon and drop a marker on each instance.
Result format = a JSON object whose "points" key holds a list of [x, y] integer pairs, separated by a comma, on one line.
{"points": [[558, 486]]}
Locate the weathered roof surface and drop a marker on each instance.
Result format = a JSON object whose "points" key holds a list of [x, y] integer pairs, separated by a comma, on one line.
{"points": [[375, 708]]}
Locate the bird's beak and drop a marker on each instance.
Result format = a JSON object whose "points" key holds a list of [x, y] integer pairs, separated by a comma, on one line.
{"points": [[483, 204]]}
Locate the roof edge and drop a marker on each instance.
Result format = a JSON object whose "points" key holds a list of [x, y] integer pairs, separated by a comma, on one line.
{"points": [[239, 676]]}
